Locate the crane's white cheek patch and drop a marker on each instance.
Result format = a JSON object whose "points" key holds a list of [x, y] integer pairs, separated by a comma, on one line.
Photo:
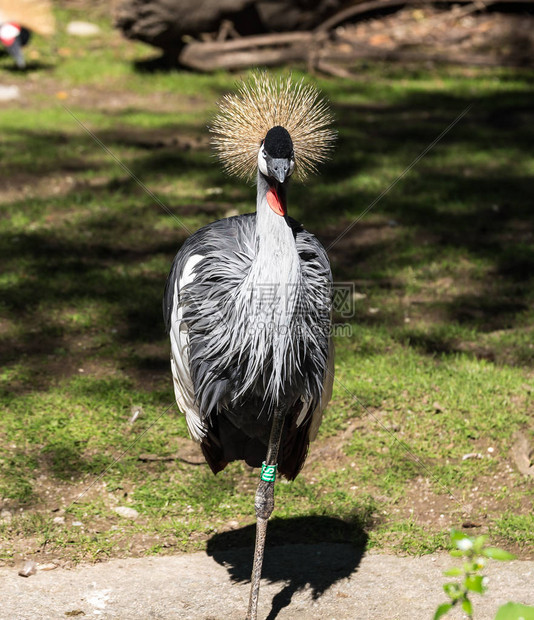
{"points": [[262, 164]]}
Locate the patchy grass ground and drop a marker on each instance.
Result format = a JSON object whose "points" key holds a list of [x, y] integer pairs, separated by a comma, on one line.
{"points": [[434, 371]]}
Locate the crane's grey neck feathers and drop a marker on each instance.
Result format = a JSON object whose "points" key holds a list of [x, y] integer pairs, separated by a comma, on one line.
{"points": [[268, 300]]}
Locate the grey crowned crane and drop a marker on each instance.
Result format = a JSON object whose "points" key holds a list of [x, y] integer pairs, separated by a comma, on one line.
{"points": [[248, 300]]}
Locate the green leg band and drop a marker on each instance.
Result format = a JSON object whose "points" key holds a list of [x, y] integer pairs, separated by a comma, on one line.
{"points": [[268, 472]]}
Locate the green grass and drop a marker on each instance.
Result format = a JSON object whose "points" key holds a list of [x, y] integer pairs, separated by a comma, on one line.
{"points": [[517, 528], [408, 537], [435, 363]]}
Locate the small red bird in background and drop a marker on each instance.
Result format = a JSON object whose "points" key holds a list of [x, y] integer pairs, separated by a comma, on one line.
{"points": [[18, 19], [14, 37]]}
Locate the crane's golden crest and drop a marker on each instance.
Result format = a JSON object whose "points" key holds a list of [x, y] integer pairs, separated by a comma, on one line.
{"points": [[264, 102]]}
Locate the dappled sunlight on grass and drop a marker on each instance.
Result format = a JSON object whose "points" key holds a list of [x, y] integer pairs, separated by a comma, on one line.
{"points": [[437, 364]]}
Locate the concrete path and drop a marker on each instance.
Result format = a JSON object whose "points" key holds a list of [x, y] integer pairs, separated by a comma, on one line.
{"points": [[325, 581]]}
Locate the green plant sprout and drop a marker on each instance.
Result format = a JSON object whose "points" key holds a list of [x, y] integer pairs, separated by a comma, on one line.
{"points": [[475, 553]]}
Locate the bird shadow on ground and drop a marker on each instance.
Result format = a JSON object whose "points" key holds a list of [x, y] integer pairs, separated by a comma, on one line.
{"points": [[321, 552], [32, 65]]}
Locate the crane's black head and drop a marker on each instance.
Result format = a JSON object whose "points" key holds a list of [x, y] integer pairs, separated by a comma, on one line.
{"points": [[278, 143], [276, 158]]}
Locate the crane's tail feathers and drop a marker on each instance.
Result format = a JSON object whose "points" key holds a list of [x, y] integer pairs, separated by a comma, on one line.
{"points": [[225, 442], [264, 102]]}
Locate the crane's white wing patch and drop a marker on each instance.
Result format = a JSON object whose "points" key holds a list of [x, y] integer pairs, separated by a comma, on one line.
{"points": [[183, 384]]}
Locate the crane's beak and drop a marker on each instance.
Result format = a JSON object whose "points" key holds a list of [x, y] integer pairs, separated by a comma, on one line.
{"points": [[279, 169]]}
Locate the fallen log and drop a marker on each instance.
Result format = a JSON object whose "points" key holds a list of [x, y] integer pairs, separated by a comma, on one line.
{"points": [[196, 56], [317, 48], [265, 50], [163, 23]]}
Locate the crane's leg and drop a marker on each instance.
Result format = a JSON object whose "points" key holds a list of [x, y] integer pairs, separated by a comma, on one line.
{"points": [[264, 504]]}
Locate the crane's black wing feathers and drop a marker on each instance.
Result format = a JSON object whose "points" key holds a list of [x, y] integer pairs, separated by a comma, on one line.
{"points": [[238, 428]]}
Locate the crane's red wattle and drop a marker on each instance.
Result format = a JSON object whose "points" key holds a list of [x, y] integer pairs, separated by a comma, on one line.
{"points": [[275, 203]]}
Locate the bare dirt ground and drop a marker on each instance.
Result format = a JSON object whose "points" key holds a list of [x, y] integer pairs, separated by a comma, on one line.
{"points": [[324, 582]]}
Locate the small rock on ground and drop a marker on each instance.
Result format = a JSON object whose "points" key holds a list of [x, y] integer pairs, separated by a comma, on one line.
{"points": [[9, 93], [126, 512], [82, 29]]}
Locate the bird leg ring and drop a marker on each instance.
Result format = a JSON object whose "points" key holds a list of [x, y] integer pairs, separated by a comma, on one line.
{"points": [[264, 505]]}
